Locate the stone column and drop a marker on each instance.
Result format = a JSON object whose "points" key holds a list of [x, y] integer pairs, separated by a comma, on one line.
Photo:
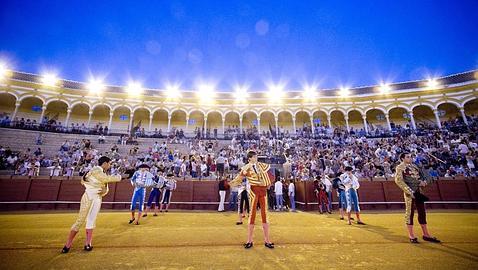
{"points": [[387, 117], [412, 119], [130, 126], [15, 112], [43, 109], [294, 125], [347, 123], [90, 114], [150, 122], [223, 125], [329, 120], [169, 123], [68, 114], [277, 125], [437, 118], [463, 115], [110, 122], [364, 117]]}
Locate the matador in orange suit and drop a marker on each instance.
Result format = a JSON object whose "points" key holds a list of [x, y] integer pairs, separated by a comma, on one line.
{"points": [[258, 177]]}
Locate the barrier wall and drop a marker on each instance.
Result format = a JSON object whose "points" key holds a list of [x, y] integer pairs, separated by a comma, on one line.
{"points": [[43, 193]]}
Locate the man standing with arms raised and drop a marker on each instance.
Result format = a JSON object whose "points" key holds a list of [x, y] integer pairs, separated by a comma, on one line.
{"points": [[256, 174]]}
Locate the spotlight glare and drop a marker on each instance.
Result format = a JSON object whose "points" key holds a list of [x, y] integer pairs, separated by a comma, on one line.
{"points": [[96, 86], [241, 93], [206, 93], [134, 88], [310, 92], [4, 72], [172, 91], [385, 88], [344, 91], [276, 92], [432, 83], [49, 79]]}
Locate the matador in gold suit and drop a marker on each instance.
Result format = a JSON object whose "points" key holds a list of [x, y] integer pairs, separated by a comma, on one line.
{"points": [[409, 179], [258, 177], [96, 187]]}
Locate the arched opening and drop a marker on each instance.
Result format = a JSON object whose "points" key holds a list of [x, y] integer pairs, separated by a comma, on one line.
{"points": [[141, 121], [56, 112], [196, 120], [355, 121], [338, 119], [424, 116], [471, 108], [302, 121], [30, 108], [232, 123], [320, 119], [268, 122], [249, 123], [214, 123], [160, 121], [7, 105], [449, 114], [178, 121], [399, 118], [121, 118], [376, 121], [285, 122], [79, 114], [100, 116]]}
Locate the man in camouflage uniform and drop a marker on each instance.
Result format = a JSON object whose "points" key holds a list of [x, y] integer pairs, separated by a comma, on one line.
{"points": [[408, 178]]}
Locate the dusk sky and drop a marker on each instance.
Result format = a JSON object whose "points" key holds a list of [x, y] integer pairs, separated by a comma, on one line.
{"points": [[226, 43]]}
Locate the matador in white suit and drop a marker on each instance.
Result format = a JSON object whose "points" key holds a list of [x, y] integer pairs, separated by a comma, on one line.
{"points": [[96, 187]]}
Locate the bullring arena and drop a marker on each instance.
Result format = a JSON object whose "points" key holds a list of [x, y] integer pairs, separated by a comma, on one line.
{"points": [[52, 129]]}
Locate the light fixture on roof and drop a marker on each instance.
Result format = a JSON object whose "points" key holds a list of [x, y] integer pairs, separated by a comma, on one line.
{"points": [[275, 93], [385, 88], [4, 72], [134, 88], [96, 86], [310, 92], [240, 93], [432, 83], [206, 93], [344, 92], [49, 79], [172, 91]]}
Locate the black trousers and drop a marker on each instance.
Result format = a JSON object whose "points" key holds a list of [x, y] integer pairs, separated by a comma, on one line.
{"points": [[244, 201]]}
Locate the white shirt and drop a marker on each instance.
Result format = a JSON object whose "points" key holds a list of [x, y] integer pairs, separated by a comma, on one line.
{"points": [[349, 182], [291, 189], [278, 188]]}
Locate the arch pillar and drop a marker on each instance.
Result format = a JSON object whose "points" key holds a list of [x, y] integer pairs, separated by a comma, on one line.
{"points": [[240, 123], [364, 117], [437, 118], [276, 117], [68, 114], [312, 127], [17, 106], [387, 117], [294, 125], [150, 121], [223, 124], [463, 115], [169, 122], [412, 119], [346, 117], [110, 122], [43, 109], [130, 126]]}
